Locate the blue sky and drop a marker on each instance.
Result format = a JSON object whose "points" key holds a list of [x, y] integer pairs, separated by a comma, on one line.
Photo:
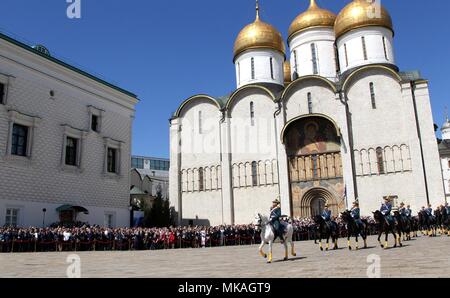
{"points": [[166, 51]]}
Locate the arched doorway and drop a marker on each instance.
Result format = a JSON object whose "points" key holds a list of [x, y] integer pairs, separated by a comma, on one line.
{"points": [[313, 147]]}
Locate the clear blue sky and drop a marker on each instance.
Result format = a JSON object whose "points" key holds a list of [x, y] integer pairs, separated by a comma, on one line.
{"points": [[166, 51]]}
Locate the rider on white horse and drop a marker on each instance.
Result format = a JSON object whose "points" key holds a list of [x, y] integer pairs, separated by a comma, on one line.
{"points": [[275, 215]]}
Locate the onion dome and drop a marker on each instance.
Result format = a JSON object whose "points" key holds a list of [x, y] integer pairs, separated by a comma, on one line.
{"points": [[311, 18], [259, 35], [359, 14]]}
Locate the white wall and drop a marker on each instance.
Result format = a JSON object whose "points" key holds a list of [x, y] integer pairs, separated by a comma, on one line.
{"points": [[323, 39], [262, 68], [374, 45]]}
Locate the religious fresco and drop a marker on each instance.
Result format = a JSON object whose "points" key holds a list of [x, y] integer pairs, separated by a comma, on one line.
{"points": [[315, 166], [312, 136]]}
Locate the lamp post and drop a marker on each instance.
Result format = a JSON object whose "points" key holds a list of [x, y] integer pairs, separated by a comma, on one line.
{"points": [[43, 217]]}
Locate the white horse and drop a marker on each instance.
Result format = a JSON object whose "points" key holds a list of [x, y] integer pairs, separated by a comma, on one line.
{"points": [[268, 237]]}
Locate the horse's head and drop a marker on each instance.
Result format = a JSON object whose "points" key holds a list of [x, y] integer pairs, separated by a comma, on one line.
{"points": [[257, 220], [378, 216], [346, 215], [317, 219]]}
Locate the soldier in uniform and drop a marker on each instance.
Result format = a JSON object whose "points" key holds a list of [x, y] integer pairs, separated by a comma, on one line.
{"points": [[386, 209], [275, 215], [408, 212], [429, 211], [326, 215], [355, 212]]}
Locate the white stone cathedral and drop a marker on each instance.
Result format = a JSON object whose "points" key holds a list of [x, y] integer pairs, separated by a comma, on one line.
{"points": [[336, 122]]}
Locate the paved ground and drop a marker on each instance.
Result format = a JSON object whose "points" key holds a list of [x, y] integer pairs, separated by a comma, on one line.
{"points": [[422, 257]]}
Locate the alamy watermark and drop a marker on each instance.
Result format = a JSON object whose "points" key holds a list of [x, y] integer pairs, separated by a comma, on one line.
{"points": [[73, 9], [374, 268], [74, 268]]}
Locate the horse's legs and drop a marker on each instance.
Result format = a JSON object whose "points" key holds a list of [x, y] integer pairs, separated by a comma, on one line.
{"points": [[380, 232], [349, 242], [261, 252], [320, 241], [269, 259], [293, 249], [386, 244], [357, 244], [286, 254], [328, 241]]}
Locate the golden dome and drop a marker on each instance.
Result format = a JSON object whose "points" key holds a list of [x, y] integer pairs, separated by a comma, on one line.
{"points": [[313, 17], [361, 13], [287, 72], [259, 35]]}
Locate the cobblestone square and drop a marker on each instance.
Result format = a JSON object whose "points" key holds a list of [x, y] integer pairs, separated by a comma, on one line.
{"points": [[421, 257]]}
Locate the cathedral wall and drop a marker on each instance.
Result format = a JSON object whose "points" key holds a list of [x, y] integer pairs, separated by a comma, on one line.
{"points": [[250, 201], [203, 208]]}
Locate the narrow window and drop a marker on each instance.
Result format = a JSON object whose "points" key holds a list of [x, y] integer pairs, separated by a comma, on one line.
{"points": [[346, 55], [385, 48], [71, 151], [94, 123], [112, 160], [19, 140], [200, 131], [363, 39], [310, 104], [2, 94], [201, 186], [380, 161], [254, 173], [336, 60], [314, 58], [239, 73], [253, 68], [372, 95], [271, 68], [295, 76], [252, 113]]}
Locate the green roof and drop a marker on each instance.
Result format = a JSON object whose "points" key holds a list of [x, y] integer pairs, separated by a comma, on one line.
{"points": [[62, 63]]}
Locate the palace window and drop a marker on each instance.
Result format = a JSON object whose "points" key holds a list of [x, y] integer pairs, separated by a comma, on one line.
{"points": [[94, 123], [19, 142], [201, 185], [295, 76], [12, 217], [252, 113], [112, 160], [314, 58], [310, 104], [71, 151], [253, 68], [385, 48], [363, 39], [380, 161], [95, 119], [372, 95], [271, 68], [254, 173]]}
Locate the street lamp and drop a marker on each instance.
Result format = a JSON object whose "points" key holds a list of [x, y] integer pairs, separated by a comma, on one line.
{"points": [[43, 217]]}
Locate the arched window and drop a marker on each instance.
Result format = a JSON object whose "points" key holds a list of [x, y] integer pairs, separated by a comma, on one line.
{"points": [[310, 104], [385, 48], [314, 58], [201, 185], [253, 68], [252, 113], [271, 68], [254, 173], [372, 95], [363, 40], [380, 161]]}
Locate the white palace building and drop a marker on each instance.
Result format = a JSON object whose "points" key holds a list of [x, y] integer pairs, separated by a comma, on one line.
{"points": [[336, 122], [65, 142]]}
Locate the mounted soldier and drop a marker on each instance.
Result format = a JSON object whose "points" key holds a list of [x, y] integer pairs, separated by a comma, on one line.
{"points": [[386, 209], [429, 211], [326, 215], [356, 214], [275, 216], [408, 212]]}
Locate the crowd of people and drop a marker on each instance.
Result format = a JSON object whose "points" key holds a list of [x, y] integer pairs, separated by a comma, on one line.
{"points": [[85, 237]]}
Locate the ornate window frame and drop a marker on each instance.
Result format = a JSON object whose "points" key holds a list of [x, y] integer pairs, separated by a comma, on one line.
{"points": [[114, 144], [93, 111], [80, 136]]}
